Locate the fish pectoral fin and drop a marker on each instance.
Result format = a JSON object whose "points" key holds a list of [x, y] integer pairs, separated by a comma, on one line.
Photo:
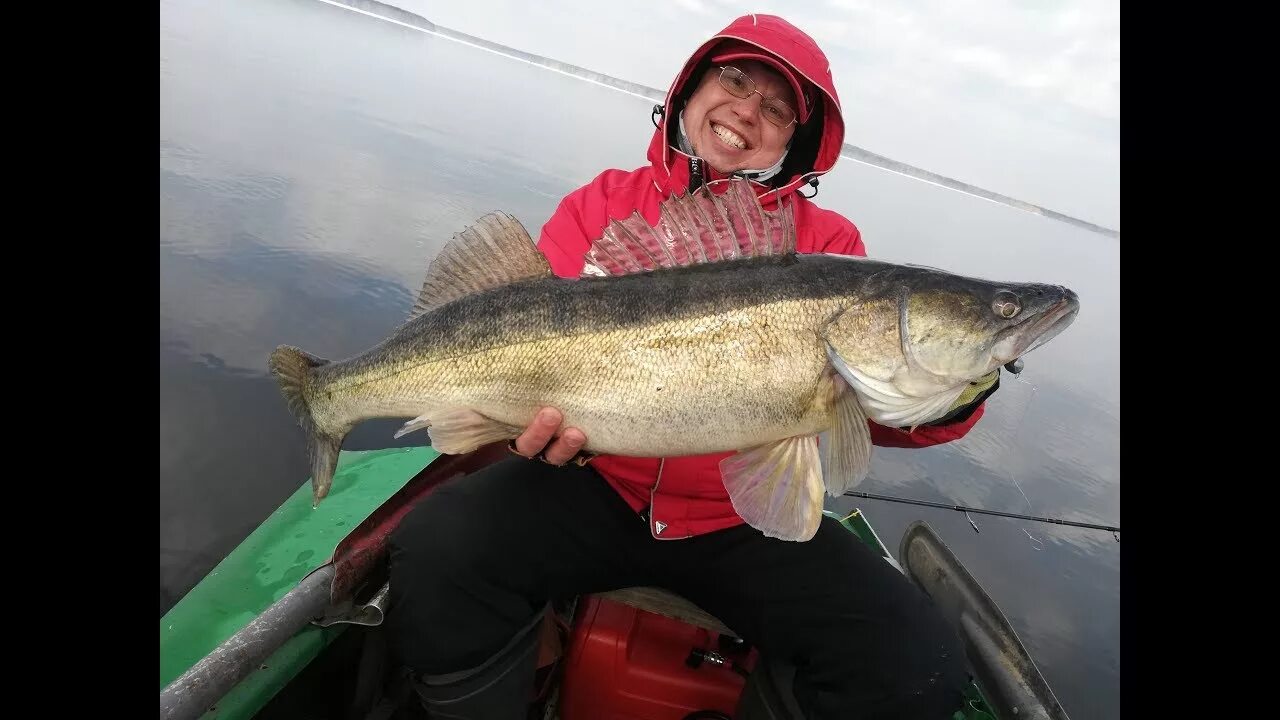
{"points": [[461, 430], [777, 488], [848, 448]]}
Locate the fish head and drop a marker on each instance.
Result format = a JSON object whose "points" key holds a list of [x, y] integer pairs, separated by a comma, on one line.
{"points": [[965, 329], [913, 350]]}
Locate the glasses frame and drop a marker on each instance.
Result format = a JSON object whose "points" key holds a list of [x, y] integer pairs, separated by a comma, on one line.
{"points": [[795, 116]]}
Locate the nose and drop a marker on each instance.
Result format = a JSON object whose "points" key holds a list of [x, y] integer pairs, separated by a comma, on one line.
{"points": [[748, 108]]}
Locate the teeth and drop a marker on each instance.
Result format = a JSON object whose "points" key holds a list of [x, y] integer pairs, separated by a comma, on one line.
{"points": [[729, 136]]}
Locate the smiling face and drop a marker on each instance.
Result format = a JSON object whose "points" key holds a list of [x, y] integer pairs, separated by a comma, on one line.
{"points": [[732, 133]]}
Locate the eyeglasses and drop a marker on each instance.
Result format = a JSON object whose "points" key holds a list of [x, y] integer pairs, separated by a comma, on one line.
{"points": [[740, 85]]}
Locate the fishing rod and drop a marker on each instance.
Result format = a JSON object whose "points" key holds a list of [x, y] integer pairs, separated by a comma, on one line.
{"points": [[962, 508]]}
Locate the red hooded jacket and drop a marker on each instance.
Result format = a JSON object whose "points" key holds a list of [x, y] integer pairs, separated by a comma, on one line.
{"points": [[685, 496]]}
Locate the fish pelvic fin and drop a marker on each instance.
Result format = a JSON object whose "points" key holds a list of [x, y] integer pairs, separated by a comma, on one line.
{"points": [[493, 252], [777, 488], [704, 226], [294, 370]]}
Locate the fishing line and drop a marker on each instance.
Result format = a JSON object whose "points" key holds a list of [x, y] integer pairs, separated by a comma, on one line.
{"points": [[1016, 434], [965, 509]]}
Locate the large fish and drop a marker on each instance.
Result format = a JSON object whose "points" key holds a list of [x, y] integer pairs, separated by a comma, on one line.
{"points": [[704, 333]]}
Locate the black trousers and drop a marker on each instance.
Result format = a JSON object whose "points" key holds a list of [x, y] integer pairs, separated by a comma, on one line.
{"points": [[476, 559]]}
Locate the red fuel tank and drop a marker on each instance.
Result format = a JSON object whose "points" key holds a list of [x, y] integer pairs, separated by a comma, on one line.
{"points": [[629, 664]]}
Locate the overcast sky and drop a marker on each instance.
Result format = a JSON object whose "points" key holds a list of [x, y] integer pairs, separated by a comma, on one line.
{"points": [[1022, 98]]}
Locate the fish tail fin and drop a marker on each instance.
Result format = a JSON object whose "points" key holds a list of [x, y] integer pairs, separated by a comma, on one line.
{"points": [[294, 370]]}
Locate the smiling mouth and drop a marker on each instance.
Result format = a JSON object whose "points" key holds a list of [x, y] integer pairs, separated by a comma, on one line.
{"points": [[729, 137]]}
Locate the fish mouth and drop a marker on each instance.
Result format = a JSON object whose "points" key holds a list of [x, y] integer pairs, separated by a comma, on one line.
{"points": [[1031, 334]]}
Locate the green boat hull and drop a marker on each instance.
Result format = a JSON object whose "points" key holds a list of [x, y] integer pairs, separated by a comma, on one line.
{"points": [[293, 542], [254, 599]]}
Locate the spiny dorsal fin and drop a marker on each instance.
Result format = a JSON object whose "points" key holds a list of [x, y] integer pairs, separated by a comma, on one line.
{"points": [[701, 227], [496, 251]]}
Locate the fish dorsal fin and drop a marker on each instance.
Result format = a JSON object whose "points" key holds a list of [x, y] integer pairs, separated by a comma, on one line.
{"points": [[692, 229], [496, 251]]}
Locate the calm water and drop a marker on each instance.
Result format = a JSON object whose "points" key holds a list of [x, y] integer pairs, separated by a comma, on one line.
{"points": [[313, 161]]}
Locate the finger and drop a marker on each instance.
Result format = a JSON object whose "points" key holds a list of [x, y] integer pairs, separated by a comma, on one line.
{"points": [[565, 447], [539, 433]]}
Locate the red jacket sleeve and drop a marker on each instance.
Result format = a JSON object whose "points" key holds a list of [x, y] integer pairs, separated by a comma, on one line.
{"points": [[926, 435], [563, 240], [577, 222], [847, 240]]}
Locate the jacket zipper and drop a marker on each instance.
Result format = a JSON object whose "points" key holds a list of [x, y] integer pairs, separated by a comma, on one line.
{"points": [[647, 513]]}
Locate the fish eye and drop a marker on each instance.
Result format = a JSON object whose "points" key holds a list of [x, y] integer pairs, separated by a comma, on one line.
{"points": [[1006, 304]]}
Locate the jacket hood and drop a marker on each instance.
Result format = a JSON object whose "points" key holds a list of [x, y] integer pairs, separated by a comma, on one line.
{"points": [[816, 144]]}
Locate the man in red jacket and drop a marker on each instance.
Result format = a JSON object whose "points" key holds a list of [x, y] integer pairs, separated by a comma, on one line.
{"points": [[473, 566]]}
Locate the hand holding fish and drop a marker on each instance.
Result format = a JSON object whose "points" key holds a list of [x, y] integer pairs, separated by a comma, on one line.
{"points": [[537, 439]]}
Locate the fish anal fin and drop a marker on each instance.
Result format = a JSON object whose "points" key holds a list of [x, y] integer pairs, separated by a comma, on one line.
{"points": [[460, 430]]}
